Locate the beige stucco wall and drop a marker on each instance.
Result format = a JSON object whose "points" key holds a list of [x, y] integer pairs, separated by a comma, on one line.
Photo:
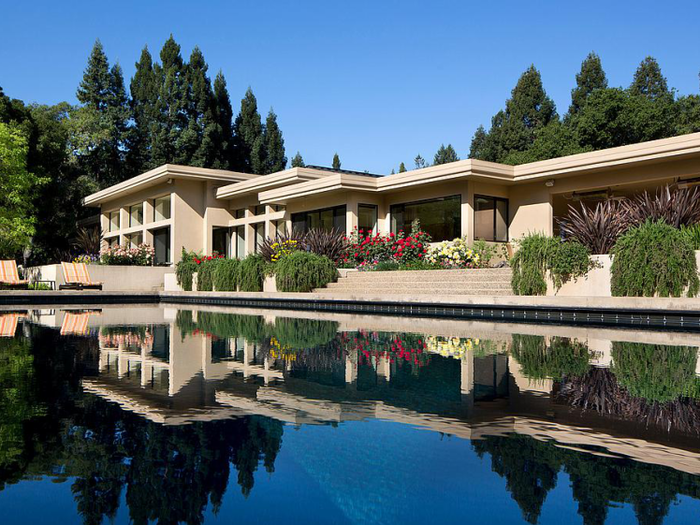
{"points": [[113, 278]]}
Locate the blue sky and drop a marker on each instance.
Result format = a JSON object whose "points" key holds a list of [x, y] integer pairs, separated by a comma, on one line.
{"points": [[376, 81]]}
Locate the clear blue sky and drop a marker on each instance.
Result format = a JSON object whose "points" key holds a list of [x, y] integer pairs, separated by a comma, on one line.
{"points": [[377, 81]]}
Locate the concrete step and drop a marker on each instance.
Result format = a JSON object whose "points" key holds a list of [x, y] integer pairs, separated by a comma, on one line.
{"points": [[420, 274], [420, 285], [393, 291], [411, 279]]}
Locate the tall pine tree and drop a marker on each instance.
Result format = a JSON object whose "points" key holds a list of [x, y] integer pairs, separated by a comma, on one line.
{"points": [[276, 160], [223, 116], [336, 162], [200, 138], [144, 96], [402, 168], [445, 155], [648, 80], [590, 78], [247, 130]]}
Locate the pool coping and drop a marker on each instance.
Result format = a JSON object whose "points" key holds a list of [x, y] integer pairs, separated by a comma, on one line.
{"points": [[637, 312]]}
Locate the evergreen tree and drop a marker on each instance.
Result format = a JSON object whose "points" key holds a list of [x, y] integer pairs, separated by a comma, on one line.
{"points": [[223, 115], [274, 145], [298, 161], [445, 155], [590, 78], [199, 141], [336, 162], [144, 96], [477, 149], [648, 80], [402, 168], [258, 156], [99, 125], [247, 130], [419, 162], [170, 107]]}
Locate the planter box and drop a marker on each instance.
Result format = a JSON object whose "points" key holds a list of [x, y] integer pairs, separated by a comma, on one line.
{"points": [[113, 278]]}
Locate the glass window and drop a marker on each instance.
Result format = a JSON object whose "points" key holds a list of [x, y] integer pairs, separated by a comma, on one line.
{"points": [[326, 219], [240, 242], [114, 221], [260, 209], [490, 218], [161, 209], [259, 236], [440, 218], [220, 241], [133, 240], [113, 242], [278, 207], [161, 243], [367, 218], [136, 215], [240, 213]]}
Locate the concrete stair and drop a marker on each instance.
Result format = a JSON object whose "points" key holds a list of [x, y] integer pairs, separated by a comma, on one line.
{"points": [[486, 282]]}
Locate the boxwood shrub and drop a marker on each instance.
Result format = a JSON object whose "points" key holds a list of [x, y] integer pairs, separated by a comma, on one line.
{"points": [[304, 271]]}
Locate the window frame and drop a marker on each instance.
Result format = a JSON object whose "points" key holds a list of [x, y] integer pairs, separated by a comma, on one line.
{"points": [[375, 208], [131, 216], [111, 223], [306, 228], [495, 211], [393, 226], [170, 207]]}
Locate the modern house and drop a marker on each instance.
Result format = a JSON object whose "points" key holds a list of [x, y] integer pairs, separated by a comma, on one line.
{"points": [[231, 213]]}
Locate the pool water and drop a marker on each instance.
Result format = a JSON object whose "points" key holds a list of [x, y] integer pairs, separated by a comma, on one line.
{"points": [[153, 414]]}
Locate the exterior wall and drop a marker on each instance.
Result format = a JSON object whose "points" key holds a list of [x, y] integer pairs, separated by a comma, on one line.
{"points": [[188, 212], [530, 210], [113, 278]]}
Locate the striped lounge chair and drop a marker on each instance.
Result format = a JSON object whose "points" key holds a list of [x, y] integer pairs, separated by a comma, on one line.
{"points": [[9, 275], [76, 277], [8, 324]]}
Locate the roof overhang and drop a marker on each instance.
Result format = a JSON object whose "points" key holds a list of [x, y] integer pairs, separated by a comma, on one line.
{"points": [[269, 182], [163, 174], [327, 184]]}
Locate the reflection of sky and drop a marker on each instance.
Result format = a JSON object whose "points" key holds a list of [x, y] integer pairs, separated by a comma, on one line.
{"points": [[359, 473]]}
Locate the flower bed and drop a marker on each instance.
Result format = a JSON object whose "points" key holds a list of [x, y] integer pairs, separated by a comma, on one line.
{"points": [[121, 255], [366, 250], [453, 254]]}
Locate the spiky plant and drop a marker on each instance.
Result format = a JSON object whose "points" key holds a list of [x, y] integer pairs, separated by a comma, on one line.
{"points": [[329, 243], [677, 207], [269, 249], [88, 240], [596, 228]]}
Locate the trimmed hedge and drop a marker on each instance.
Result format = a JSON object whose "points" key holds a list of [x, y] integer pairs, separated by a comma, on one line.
{"points": [[304, 271], [654, 259]]}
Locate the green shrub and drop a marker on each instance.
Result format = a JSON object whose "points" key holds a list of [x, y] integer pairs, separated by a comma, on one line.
{"points": [[563, 357], [205, 274], [655, 372], [304, 271], [226, 275], [185, 268], [251, 273], [692, 233], [653, 259], [538, 254], [303, 333]]}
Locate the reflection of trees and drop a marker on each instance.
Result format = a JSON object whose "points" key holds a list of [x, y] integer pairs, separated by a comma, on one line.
{"points": [[601, 391], [531, 468], [562, 357], [655, 372], [168, 474]]}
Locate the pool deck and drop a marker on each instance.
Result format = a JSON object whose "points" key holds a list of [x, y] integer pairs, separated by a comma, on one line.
{"points": [[679, 313]]}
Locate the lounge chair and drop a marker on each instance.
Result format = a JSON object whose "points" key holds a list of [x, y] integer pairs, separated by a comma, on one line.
{"points": [[8, 324], [9, 275], [76, 277]]}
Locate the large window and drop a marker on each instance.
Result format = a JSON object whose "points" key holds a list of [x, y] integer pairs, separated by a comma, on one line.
{"points": [[239, 234], [161, 209], [220, 241], [490, 218], [367, 218], [259, 235], [161, 244], [326, 219], [440, 218], [260, 209], [133, 240], [136, 215], [114, 221]]}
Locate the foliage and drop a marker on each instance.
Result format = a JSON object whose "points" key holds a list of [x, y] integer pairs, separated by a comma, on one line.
{"points": [[692, 233], [597, 229], [206, 268], [275, 159], [336, 162], [251, 273], [327, 243], [298, 161], [657, 373], [121, 255], [487, 251], [272, 249], [226, 275], [303, 272], [590, 78], [445, 155], [677, 207], [562, 357], [88, 240], [654, 259], [185, 268], [453, 254], [538, 254], [298, 333], [366, 250], [87, 258], [17, 187]]}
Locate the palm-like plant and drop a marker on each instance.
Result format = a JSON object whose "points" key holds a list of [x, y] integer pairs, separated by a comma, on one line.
{"points": [[88, 240], [678, 207], [329, 243], [270, 247], [596, 228]]}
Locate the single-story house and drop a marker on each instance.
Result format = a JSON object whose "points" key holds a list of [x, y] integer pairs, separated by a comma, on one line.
{"points": [[208, 210]]}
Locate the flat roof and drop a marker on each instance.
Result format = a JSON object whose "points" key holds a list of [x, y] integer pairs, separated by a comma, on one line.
{"points": [[162, 174]]}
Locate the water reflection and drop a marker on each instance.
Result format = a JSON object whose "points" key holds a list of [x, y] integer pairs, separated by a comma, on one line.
{"points": [[161, 409]]}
